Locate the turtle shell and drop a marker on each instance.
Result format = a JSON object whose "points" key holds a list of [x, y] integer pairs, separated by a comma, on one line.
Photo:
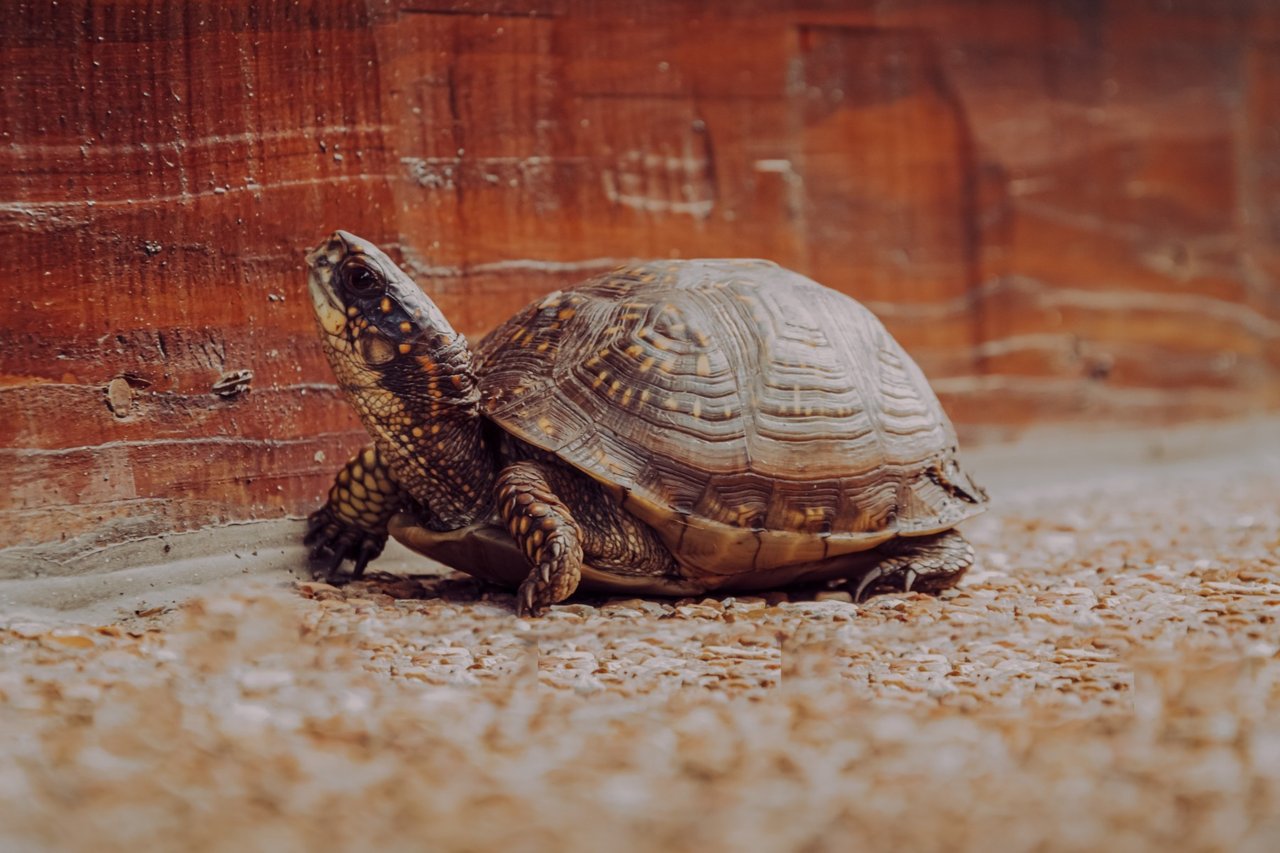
{"points": [[754, 418]]}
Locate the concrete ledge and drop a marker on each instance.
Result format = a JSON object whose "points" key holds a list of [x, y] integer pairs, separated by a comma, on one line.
{"points": [[160, 571]]}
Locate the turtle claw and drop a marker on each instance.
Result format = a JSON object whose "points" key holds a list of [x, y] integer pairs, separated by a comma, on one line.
{"points": [[526, 600], [908, 579], [870, 578]]}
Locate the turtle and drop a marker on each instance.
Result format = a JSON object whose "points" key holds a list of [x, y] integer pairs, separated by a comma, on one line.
{"points": [[678, 427]]}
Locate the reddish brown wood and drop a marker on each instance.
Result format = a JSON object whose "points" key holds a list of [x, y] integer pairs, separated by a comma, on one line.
{"points": [[1063, 210]]}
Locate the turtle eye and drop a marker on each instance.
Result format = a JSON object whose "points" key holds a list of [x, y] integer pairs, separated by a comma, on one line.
{"points": [[360, 280]]}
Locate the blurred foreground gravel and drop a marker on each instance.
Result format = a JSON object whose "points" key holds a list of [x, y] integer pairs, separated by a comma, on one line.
{"points": [[1108, 677]]}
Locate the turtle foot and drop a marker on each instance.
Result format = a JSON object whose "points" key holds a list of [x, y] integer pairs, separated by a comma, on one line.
{"points": [[927, 564], [334, 541]]}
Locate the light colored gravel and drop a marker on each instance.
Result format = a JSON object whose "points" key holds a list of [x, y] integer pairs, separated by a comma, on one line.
{"points": [[1107, 678]]}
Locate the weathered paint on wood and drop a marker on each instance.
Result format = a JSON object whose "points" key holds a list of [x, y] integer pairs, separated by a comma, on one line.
{"points": [[1063, 210]]}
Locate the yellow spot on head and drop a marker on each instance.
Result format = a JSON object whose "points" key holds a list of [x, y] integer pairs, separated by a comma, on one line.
{"points": [[406, 326], [385, 305], [405, 348], [417, 432], [352, 311]]}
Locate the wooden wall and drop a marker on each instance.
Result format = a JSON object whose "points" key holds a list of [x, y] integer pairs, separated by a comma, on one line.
{"points": [[1065, 210]]}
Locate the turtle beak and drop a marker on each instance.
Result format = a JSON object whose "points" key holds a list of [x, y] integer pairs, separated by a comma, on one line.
{"points": [[321, 262]]}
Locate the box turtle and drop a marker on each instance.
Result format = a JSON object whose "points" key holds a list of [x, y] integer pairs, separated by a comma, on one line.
{"points": [[676, 427]]}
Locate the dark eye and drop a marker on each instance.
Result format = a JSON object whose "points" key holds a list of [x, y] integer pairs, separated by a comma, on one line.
{"points": [[360, 280]]}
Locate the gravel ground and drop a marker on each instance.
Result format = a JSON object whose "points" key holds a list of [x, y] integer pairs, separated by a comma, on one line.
{"points": [[1108, 677]]}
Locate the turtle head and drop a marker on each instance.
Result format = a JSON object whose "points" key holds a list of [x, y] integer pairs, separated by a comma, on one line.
{"points": [[370, 312], [409, 375]]}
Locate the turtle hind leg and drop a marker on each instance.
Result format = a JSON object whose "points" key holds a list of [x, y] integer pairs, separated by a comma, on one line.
{"points": [[925, 563]]}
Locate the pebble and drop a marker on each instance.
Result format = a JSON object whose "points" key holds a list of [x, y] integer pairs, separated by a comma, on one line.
{"points": [[698, 611], [838, 610]]}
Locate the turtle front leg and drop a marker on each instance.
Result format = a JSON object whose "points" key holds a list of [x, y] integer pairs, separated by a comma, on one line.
{"points": [[546, 532], [926, 563], [352, 525]]}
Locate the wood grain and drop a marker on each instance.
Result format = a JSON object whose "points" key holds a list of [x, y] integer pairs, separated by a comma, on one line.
{"points": [[1064, 211]]}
